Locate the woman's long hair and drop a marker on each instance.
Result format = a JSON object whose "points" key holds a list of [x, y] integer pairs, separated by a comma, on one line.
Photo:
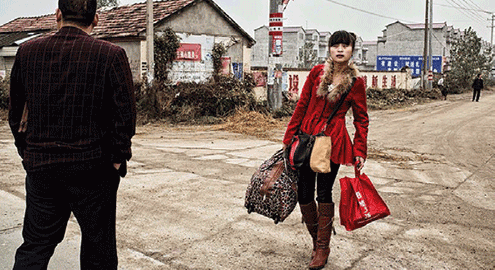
{"points": [[344, 37]]}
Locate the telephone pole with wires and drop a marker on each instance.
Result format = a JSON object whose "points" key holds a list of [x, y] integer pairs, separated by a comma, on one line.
{"points": [[275, 50], [150, 56], [425, 52], [491, 28]]}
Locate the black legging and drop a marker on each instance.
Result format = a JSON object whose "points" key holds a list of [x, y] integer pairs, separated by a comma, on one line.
{"points": [[324, 185]]}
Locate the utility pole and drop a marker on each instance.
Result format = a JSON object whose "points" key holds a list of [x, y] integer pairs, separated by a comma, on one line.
{"points": [[275, 32], [425, 52], [430, 41], [492, 27], [150, 47]]}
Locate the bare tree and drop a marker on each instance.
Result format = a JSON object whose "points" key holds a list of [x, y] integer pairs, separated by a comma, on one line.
{"points": [[107, 3], [308, 55]]}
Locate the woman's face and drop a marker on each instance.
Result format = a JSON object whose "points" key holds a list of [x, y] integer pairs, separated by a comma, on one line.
{"points": [[341, 53]]}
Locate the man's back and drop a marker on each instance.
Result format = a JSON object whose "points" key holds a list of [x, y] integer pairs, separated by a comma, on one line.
{"points": [[73, 85], [76, 138]]}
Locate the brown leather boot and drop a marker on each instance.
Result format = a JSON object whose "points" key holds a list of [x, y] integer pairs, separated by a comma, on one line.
{"points": [[325, 222], [310, 217]]}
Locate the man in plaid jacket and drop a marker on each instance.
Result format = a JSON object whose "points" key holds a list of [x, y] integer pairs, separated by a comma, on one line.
{"points": [[74, 136]]}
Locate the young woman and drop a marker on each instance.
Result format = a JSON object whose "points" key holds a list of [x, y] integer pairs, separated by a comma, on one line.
{"points": [[323, 88]]}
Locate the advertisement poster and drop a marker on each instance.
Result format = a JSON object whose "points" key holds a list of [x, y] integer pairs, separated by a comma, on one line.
{"points": [[277, 45], [415, 63], [189, 52]]}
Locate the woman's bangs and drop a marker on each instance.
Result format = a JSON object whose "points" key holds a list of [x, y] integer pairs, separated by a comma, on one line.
{"points": [[340, 37]]}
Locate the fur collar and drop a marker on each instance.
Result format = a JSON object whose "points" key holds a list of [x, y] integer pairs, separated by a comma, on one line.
{"points": [[333, 93]]}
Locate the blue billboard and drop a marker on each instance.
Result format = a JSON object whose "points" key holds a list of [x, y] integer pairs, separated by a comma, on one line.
{"points": [[415, 63]]}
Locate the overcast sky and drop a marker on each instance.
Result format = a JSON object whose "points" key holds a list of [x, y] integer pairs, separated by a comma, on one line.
{"points": [[324, 15]]}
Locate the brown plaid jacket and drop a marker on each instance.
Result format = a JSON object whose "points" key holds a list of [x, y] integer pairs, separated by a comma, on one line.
{"points": [[80, 98]]}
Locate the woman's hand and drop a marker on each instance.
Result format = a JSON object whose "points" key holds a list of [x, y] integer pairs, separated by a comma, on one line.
{"points": [[359, 163]]}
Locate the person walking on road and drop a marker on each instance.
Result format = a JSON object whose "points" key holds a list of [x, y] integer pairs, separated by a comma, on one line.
{"points": [[74, 136], [443, 90], [323, 88], [477, 86]]}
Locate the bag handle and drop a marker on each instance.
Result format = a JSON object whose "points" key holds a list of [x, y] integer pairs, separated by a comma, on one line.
{"points": [[337, 107], [356, 171]]}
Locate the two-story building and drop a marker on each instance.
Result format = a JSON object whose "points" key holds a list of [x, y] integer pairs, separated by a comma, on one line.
{"points": [[294, 50], [403, 45]]}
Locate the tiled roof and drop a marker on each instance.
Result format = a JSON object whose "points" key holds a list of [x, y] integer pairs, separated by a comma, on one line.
{"points": [[124, 21], [30, 24], [370, 42], [422, 25], [310, 31], [130, 20], [17, 38], [292, 28]]}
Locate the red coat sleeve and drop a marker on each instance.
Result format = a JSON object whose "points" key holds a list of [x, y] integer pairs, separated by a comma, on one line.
{"points": [[302, 106], [361, 120]]}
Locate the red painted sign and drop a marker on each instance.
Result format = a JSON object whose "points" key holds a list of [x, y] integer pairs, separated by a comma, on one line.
{"points": [[189, 52], [275, 31]]}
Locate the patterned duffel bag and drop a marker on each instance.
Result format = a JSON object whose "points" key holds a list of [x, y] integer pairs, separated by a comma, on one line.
{"points": [[272, 191]]}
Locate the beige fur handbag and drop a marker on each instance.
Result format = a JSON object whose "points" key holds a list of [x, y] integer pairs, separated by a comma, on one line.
{"points": [[320, 156]]}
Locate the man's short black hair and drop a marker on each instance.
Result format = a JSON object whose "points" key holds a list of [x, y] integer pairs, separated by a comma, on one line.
{"points": [[81, 12], [343, 37]]}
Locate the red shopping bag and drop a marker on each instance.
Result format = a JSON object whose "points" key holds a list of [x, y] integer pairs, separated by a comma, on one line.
{"points": [[360, 203]]}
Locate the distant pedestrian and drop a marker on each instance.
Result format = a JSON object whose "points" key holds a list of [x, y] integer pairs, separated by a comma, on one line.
{"points": [[477, 86], [442, 87], [74, 136], [320, 94]]}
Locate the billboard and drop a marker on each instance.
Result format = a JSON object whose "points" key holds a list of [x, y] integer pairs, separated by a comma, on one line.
{"points": [[415, 63], [189, 52]]}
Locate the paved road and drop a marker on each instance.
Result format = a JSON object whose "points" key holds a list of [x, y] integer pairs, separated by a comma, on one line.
{"points": [[181, 206]]}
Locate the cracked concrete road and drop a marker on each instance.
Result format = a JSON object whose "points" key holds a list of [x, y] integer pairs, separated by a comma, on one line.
{"points": [[181, 206]]}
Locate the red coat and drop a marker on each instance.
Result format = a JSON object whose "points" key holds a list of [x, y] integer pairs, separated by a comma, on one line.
{"points": [[312, 112]]}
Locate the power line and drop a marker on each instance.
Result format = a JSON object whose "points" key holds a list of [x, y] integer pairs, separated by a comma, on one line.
{"points": [[464, 11], [368, 12], [472, 10], [467, 11], [480, 10]]}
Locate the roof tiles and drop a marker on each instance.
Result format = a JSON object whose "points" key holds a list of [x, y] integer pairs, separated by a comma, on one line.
{"points": [[121, 21]]}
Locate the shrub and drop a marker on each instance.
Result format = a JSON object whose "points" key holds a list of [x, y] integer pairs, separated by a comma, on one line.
{"points": [[4, 92], [288, 107], [218, 52], [389, 98], [166, 46], [193, 102]]}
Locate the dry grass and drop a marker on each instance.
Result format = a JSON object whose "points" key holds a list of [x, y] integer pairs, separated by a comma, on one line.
{"points": [[252, 123]]}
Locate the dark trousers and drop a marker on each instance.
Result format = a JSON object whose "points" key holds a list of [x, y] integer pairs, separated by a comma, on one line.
{"points": [[324, 185], [476, 94], [89, 191]]}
